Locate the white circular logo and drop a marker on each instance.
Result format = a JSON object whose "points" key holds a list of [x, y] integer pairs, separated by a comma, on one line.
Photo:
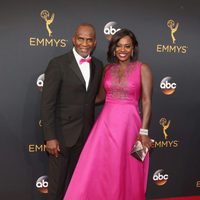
{"points": [[167, 85], [110, 29], [42, 184], [40, 81], [160, 178]]}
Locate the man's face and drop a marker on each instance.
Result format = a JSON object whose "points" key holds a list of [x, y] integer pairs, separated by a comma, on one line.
{"points": [[84, 40]]}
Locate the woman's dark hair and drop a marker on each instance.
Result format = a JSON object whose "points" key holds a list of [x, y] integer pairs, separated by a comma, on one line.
{"points": [[113, 43]]}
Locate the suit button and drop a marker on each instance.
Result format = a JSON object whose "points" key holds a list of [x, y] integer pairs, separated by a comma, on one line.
{"points": [[69, 118]]}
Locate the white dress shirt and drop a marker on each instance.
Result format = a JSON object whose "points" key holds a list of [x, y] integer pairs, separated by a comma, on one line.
{"points": [[84, 67]]}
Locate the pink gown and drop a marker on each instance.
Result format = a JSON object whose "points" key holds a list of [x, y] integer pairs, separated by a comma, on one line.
{"points": [[106, 170]]}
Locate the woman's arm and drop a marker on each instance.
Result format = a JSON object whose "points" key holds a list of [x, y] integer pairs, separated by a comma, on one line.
{"points": [[101, 94], [147, 86], [146, 98]]}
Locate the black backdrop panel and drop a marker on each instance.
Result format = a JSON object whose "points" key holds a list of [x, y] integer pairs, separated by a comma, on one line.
{"points": [[168, 35]]}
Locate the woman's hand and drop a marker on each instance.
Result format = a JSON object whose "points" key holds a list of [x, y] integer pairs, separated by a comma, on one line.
{"points": [[146, 141]]}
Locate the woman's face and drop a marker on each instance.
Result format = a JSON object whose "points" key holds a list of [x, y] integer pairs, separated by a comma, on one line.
{"points": [[124, 49]]}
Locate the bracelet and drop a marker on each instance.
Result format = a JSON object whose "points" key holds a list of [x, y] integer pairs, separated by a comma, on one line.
{"points": [[144, 131]]}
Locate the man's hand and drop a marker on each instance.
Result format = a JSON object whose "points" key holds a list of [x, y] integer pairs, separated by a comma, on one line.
{"points": [[52, 147]]}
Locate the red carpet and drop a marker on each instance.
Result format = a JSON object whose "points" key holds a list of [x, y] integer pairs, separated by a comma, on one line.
{"points": [[182, 198]]}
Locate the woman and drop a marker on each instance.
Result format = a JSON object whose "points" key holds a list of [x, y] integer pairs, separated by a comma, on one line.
{"points": [[106, 170]]}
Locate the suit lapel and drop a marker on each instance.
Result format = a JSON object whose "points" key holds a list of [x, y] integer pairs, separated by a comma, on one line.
{"points": [[74, 66], [92, 72]]}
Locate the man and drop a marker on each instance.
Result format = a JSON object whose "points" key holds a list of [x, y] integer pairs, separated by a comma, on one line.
{"points": [[71, 84]]}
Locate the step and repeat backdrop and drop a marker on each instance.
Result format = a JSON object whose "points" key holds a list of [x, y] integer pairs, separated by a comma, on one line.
{"points": [[33, 32]]}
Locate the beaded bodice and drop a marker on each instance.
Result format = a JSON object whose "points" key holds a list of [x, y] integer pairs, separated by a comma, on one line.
{"points": [[125, 88]]}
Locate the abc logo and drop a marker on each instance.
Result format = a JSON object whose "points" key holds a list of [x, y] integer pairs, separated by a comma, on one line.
{"points": [[160, 178], [42, 184], [167, 86], [110, 29], [40, 81], [40, 123]]}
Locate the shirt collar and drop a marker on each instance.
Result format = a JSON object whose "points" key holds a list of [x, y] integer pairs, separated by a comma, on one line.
{"points": [[77, 56]]}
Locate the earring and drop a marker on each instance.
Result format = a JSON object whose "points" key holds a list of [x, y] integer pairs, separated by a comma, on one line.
{"points": [[114, 54]]}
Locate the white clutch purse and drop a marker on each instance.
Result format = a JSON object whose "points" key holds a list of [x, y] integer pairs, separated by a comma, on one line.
{"points": [[138, 151]]}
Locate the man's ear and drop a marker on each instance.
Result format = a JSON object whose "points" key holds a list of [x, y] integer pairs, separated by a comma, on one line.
{"points": [[95, 42], [73, 40]]}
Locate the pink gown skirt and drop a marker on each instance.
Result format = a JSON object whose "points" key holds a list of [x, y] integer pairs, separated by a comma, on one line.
{"points": [[106, 170]]}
